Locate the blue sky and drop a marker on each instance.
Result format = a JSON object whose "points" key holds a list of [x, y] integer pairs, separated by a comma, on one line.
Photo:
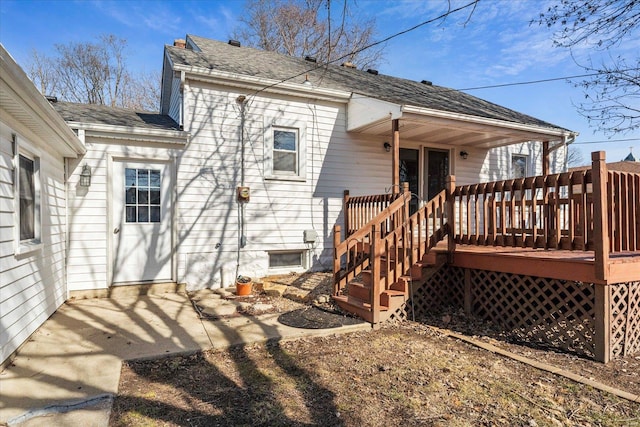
{"points": [[496, 46]]}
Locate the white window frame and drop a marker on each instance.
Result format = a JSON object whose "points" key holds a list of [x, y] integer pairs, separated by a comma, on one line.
{"points": [[35, 243], [526, 165], [288, 268], [290, 126]]}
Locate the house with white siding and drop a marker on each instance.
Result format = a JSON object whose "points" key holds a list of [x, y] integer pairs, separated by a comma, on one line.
{"points": [[35, 145], [243, 171]]}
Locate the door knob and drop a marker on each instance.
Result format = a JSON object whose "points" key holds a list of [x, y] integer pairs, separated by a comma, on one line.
{"points": [[116, 230]]}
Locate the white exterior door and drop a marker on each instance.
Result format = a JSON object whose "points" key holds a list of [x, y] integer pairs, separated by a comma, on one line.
{"points": [[142, 235]]}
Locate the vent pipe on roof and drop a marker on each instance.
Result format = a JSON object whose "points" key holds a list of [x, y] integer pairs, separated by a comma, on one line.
{"points": [[372, 71], [181, 43], [348, 65], [426, 82], [235, 43], [310, 58], [52, 99]]}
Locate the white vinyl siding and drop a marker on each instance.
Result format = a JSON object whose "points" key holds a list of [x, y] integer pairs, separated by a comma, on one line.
{"points": [[90, 226], [32, 284], [279, 210]]}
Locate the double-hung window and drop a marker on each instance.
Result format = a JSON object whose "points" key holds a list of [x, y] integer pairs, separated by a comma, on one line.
{"points": [[27, 199], [27, 208], [286, 150], [519, 166]]}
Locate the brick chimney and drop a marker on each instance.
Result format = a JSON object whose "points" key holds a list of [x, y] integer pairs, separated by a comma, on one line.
{"points": [[181, 43]]}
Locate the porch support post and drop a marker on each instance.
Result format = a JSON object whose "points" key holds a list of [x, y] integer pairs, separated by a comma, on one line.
{"points": [[602, 311], [545, 158], [395, 163], [599, 176]]}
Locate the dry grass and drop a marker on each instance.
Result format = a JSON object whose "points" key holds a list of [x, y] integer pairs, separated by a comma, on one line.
{"points": [[400, 375]]}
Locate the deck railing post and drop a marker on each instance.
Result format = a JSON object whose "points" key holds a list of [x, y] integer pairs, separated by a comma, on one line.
{"points": [[602, 311], [600, 214], [345, 210], [451, 212], [375, 275], [336, 260]]}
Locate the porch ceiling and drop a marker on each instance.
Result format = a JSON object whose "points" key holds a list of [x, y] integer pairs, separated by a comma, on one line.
{"points": [[372, 117]]}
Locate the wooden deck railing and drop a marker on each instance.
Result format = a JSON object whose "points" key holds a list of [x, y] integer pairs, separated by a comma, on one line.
{"points": [[553, 211], [353, 255], [590, 210], [623, 198], [360, 210], [391, 243]]}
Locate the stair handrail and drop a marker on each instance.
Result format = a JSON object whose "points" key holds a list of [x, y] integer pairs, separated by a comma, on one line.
{"points": [[342, 248]]}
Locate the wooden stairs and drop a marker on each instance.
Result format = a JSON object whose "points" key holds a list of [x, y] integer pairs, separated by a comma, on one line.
{"points": [[358, 294]]}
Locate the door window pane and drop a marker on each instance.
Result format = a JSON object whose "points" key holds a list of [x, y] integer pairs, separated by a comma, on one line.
{"points": [[142, 195], [129, 177]]}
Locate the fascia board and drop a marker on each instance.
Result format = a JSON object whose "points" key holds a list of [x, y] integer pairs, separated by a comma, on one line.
{"points": [[555, 133], [132, 133], [261, 84]]}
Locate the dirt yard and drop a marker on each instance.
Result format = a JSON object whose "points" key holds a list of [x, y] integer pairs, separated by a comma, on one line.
{"points": [[403, 374]]}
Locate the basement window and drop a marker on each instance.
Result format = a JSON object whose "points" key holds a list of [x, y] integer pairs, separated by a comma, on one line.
{"points": [[286, 259]]}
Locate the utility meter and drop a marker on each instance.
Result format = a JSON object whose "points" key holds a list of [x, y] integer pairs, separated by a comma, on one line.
{"points": [[243, 194]]}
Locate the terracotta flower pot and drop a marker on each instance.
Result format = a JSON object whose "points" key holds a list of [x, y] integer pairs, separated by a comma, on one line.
{"points": [[243, 287]]}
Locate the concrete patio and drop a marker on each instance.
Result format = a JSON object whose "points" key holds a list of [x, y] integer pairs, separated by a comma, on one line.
{"points": [[76, 356]]}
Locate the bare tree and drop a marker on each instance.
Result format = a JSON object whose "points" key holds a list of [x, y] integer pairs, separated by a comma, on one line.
{"points": [[612, 91], [575, 157], [94, 73], [309, 28]]}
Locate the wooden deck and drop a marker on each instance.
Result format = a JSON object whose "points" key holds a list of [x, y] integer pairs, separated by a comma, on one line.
{"points": [[577, 266]]}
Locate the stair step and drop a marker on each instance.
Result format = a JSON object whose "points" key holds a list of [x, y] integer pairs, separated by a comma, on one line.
{"points": [[388, 295], [359, 290], [357, 307]]}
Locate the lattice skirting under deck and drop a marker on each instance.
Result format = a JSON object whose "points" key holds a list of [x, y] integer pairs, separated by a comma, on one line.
{"points": [[540, 311], [625, 319]]}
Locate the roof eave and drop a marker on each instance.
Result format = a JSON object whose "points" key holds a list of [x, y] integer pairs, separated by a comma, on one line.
{"points": [[132, 133], [18, 86], [261, 84], [544, 133]]}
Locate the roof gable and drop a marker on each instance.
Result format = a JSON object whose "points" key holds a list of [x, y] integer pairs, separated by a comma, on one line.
{"points": [[220, 56]]}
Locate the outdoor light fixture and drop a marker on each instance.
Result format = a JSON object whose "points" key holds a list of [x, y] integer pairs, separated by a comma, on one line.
{"points": [[85, 176], [387, 147], [464, 155]]}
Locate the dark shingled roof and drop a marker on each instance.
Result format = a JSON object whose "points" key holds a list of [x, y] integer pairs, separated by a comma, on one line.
{"points": [[102, 114], [215, 55], [623, 166]]}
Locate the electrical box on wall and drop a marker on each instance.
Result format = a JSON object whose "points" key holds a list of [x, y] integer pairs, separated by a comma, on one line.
{"points": [[243, 194], [310, 236]]}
